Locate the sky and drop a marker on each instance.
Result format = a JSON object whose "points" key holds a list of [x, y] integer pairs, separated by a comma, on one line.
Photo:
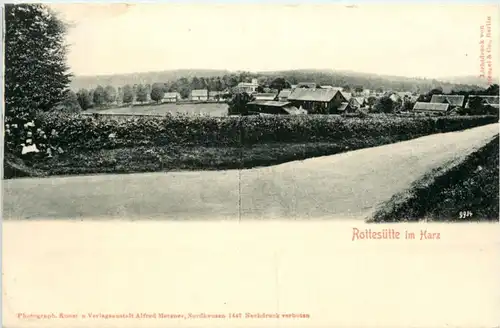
{"points": [[405, 40]]}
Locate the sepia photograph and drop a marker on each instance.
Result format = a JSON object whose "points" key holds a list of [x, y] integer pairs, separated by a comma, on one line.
{"points": [[258, 164], [242, 112]]}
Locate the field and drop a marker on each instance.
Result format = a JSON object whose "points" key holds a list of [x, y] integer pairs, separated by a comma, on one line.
{"points": [[211, 109]]}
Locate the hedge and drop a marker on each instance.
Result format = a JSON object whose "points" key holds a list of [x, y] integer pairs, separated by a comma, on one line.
{"points": [[95, 132]]}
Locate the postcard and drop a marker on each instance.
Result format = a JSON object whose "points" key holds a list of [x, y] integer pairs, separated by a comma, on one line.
{"points": [[250, 165]]}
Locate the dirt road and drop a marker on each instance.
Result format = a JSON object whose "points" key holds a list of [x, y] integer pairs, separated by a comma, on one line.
{"points": [[347, 185]]}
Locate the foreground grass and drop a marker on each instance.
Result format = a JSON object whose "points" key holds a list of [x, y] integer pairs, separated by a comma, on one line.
{"points": [[469, 186], [156, 159]]}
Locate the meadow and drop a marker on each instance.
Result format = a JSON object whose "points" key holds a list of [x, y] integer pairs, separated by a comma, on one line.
{"points": [[210, 109]]}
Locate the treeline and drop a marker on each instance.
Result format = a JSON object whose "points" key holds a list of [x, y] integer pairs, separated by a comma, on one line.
{"points": [[101, 97]]}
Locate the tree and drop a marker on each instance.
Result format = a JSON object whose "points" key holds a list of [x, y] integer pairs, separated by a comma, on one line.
{"points": [[196, 84], [36, 74], [476, 107], [492, 90], [142, 93], [99, 96], [218, 84], [69, 103], [371, 101], [238, 103], [157, 92], [384, 105], [279, 84], [109, 94], [119, 95], [128, 94], [83, 98], [346, 88]]}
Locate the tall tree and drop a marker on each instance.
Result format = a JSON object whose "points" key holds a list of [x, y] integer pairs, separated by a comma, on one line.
{"points": [[128, 94], [142, 93], [99, 96], [238, 103], [157, 92], [36, 74], [384, 105], [280, 84], [69, 102], [83, 98], [109, 94]]}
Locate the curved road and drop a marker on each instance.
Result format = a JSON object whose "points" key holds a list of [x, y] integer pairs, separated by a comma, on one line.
{"points": [[348, 185]]}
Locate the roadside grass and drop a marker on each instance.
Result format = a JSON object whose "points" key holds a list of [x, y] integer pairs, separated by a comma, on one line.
{"points": [[171, 158], [461, 186]]}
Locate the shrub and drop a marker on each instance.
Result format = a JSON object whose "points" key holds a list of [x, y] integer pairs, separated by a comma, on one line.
{"points": [[92, 132]]}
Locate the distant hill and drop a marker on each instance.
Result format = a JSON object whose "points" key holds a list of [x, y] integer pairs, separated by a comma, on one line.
{"points": [[470, 79], [117, 80], [320, 76]]}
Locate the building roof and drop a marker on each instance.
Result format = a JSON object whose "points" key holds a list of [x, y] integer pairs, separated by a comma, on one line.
{"points": [[360, 100], [491, 100], [269, 103], [343, 106], [304, 94], [436, 107], [284, 93], [346, 95], [247, 84], [326, 87], [171, 95], [214, 93], [311, 85], [454, 100], [199, 93], [265, 96]]}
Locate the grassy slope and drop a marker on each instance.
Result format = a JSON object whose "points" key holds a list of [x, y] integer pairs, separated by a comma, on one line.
{"points": [[171, 158], [471, 185]]}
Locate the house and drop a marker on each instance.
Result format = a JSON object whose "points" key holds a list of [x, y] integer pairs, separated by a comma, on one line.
{"points": [[274, 108], [214, 95], [320, 101], [326, 87], [357, 102], [492, 101], [452, 100], [199, 94], [248, 87], [265, 96], [171, 97], [431, 108], [283, 95]]}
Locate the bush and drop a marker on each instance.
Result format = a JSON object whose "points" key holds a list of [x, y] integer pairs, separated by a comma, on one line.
{"points": [[79, 131]]}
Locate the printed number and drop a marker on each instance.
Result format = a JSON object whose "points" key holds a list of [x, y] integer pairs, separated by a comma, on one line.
{"points": [[465, 214]]}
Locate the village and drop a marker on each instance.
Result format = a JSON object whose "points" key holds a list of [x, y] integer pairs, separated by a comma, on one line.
{"points": [[311, 98]]}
